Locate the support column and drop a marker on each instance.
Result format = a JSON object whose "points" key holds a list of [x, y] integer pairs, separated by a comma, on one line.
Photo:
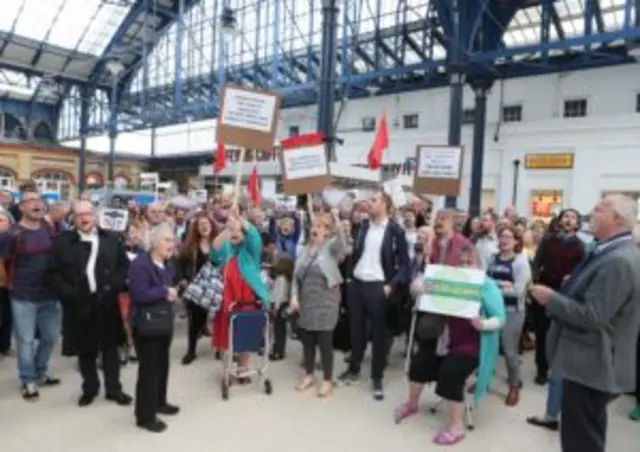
{"points": [[113, 134], [327, 83], [85, 102], [153, 142], [481, 89]]}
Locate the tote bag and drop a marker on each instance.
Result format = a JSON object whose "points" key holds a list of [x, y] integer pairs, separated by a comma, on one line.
{"points": [[206, 288]]}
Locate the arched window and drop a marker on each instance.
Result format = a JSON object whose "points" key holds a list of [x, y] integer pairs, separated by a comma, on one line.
{"points": [[13, 127], [7, 179], [94, 180], [52, 181], [42, 132]]}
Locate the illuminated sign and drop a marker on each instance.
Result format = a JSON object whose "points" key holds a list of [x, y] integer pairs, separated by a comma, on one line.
{"points": [[549, 161]]}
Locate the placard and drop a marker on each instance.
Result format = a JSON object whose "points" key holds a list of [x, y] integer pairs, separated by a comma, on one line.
{"points": [[305, 168], [114, 219], [394, 189], [438, 170], [199, 195], [452, 291], [248, 118]]}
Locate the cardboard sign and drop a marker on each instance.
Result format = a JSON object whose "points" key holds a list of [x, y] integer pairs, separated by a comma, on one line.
{"points": [[305, 168], [199, 195], [438, 170], [114, 219], [248, 118], [394, 189]]}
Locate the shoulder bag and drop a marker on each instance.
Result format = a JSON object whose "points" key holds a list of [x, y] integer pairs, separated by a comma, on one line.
{"points": [[206, 288], [153, 319]]}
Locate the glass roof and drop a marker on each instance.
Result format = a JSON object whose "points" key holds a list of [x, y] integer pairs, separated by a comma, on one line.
{"points": [[85, 26]]}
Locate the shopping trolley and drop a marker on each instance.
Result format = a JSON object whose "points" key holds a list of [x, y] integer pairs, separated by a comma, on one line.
{"points": [[248, 332], [468, 404]]}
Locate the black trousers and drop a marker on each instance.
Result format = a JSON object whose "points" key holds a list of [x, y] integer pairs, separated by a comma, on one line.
{"points": [[6, 321], [153, 376], [541, 323], [583, 427], [368, 308], [280, 318], [87, 361], [324, 341], [197, 317]]}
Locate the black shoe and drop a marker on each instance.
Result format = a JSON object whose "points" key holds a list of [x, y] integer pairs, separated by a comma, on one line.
{"points": [[30, 392], [378, 390], [121, 398], [349, 377], [168, 409], [188, 358], [48, 381], [273, 356], [155, 426], [86, 399], [549, 424], [540, 380]]}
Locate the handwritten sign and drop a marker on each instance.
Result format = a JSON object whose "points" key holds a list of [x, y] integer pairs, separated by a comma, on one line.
{"points": [[114, 219], [439, 170], [305, 162]]}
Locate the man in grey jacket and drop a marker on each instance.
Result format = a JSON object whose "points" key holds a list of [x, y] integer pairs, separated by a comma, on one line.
{"points": [[592, 342]]}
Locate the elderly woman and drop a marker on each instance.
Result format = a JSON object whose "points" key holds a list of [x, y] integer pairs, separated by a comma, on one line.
{"points": [[152, 303], [315, 295], [463, 346], [238, 251]]}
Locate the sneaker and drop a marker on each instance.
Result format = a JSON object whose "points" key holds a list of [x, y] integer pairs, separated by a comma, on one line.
{"points": [[378, 390], [30, 392], [349, 377]]}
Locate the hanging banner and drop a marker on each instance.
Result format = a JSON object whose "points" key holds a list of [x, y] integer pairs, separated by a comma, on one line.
{"points": [[438, 170], [305, 168], [248, 118]]}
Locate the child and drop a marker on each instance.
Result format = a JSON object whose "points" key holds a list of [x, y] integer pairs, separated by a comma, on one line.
{"points": [[280, 294]]}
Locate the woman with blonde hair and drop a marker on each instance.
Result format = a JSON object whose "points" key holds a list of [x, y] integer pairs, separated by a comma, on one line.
{"points": [[315, 295]]}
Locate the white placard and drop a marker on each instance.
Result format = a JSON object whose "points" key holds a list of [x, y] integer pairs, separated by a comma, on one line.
{"points": [[333, 196], [305, 162], [149, 178], [439, 163], [248, 110], [199, 195], [114, 219], [394, 189]]}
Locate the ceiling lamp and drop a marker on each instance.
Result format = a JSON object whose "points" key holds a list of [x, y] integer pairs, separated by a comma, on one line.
{"points": [[115, 67], [228, 22]]}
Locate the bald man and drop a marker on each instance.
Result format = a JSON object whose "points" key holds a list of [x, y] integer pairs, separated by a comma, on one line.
{"points": [[87, 272]]}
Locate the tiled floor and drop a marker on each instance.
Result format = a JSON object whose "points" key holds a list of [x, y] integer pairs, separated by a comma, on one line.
{"points": [[252, 421]]}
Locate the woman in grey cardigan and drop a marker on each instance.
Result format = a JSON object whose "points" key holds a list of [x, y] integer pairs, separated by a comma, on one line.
{"points": [[315, 295]]}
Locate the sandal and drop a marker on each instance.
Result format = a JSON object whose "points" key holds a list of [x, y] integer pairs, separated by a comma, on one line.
{"points": [[447, 438], [404, 411], [305, 383]]}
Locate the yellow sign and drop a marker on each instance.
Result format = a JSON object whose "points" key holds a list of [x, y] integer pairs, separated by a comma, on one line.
{"points": [[549, 161]]}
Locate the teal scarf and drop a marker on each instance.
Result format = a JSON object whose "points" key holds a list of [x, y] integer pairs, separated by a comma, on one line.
{"points": [[492, 306], [248, 253]]}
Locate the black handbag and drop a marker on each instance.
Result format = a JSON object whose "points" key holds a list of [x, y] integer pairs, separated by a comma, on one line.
{"points": [[154, 319]]}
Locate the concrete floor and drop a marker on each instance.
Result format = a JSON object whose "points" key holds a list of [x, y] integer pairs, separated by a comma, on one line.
{"points": [[252, 421]]}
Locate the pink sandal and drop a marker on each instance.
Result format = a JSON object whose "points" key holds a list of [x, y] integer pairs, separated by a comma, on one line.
{"points": [[447, 438], [404, 411]]}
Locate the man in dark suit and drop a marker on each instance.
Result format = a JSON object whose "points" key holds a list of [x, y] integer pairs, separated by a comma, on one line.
{"points": [[87, 270], [592, 341], [379, 259]]}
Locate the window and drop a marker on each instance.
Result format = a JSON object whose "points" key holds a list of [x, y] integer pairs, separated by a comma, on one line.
{"points": [[576, 108], [7, 179], [512, 113], [294, 131], [638, 103], [54, 182], [410, 121], [469, 116], [368, 123]]}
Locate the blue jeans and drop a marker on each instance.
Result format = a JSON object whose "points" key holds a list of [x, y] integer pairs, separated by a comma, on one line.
{"points": [[554, 397], [29, 316]]}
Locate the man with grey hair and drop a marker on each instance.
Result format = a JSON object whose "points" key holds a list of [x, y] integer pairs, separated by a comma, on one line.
{"points": [[592, 342]]}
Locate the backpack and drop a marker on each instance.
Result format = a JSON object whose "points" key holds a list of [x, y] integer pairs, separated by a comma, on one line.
{"points": [[17, 249]]}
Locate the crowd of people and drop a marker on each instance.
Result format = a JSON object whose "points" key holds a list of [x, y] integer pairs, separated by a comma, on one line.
{"points": [[335, 279]]}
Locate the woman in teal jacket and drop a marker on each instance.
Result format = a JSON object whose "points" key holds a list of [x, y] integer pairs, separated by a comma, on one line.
{"points": [[464, 346]]}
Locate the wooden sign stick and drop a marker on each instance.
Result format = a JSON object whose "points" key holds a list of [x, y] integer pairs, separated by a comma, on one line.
{"points": [[236, 190], [310, 206]]}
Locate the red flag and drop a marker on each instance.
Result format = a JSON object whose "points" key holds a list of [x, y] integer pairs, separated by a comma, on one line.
{"points": [[253, 187], [380, 143], [221, 158]]}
